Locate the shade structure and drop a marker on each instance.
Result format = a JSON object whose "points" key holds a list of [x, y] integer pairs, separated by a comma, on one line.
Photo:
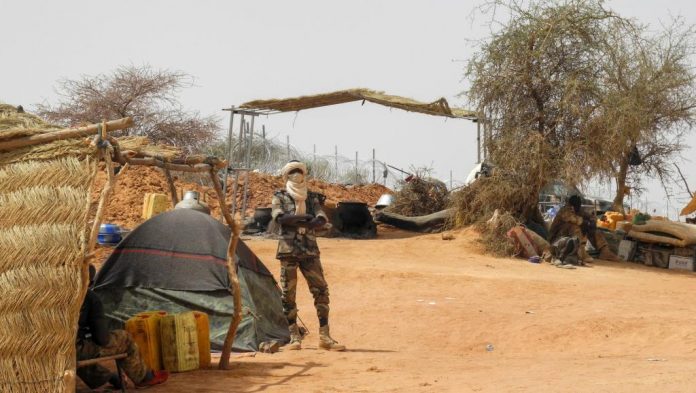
{"points": [[439, 107]]}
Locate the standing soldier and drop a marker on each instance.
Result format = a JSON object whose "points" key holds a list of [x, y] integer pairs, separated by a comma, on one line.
{"points": [[299, 213]]}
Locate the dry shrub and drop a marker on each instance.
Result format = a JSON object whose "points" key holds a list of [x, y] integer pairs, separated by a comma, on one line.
{"points": [[419, 197], [477, 203], [494, 235]]}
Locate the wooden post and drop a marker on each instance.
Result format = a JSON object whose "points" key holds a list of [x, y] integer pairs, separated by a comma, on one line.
{"points": [[67, 133], [232, 272], [69, 376], [105, 194], [172, 187]]}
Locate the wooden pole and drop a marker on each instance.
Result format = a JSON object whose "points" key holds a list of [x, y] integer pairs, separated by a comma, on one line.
{"points": [[478, 141], [88, 245], [105, 194], [67, 133], [232, 272], [151, 161], [172, 187], [223, 206]]}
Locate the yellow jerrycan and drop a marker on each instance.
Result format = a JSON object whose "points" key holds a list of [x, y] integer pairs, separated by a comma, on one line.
{"points": [[203, 330], [179, 342], [145, 330]]}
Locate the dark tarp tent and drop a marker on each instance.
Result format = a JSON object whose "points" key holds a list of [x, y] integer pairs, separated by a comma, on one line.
{"points": [[176, 262]]}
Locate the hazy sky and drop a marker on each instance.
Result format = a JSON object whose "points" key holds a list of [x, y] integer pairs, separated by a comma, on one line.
{"points": [[239, 51]]}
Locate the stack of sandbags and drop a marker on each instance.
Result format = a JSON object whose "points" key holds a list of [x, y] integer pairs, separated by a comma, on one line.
{"points": [[665, 232]]}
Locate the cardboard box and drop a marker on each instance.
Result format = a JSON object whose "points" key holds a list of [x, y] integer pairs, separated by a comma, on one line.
{"points": [[681, 263], [657, 256]]}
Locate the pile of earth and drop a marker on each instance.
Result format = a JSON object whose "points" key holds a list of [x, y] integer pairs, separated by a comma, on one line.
{"points": [[126, 203]]}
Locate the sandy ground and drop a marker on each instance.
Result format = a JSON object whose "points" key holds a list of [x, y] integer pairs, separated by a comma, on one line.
{"points": [[417, 313]]}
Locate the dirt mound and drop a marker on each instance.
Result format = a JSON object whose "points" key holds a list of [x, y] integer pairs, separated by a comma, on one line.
{"points": [[126, 204]]}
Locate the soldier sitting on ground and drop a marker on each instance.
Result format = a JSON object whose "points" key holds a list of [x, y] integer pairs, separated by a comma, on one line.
{"points": [[571, 222], [94, 340]]}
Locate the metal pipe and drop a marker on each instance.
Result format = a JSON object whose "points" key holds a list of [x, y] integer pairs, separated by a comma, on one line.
{"points": [[374, 172], [229, 162], [236, 173], [400, 170], [246, 173]]}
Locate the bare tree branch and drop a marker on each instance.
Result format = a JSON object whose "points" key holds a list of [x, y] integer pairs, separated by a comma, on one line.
{"points": [[146, 94]]}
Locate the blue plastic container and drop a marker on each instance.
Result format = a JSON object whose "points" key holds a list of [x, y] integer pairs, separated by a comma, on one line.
{"points": [[109, 234]]}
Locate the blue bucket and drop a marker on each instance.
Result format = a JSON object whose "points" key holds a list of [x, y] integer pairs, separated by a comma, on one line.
{"points": [[109, 234]]}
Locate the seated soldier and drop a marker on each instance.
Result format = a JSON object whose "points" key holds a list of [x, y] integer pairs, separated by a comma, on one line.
{"points": [[94, 340], [570, 222]]}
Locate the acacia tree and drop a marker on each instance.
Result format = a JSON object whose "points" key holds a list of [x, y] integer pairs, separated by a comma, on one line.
{"points": [[146, 94], [648, 107], [537, 82]]}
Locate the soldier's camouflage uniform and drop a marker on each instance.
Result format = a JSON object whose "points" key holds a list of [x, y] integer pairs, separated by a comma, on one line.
{"points": [[298, 247], [567, 223], [119, 342]]}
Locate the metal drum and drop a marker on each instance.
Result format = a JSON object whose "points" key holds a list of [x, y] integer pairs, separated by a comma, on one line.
{"points": [[384, 201], [192, 201]]}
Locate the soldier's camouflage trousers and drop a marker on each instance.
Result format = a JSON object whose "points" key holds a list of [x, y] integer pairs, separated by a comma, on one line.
{"points": [[596, 238], [119, 342], [314, 274]]}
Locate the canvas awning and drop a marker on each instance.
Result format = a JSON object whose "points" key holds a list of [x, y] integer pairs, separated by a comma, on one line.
{"points": [[436, 108]]}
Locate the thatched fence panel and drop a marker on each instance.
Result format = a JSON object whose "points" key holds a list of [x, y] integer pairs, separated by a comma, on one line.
{"points": [[45, 193]]}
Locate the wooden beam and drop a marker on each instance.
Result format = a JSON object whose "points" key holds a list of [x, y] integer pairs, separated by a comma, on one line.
{"points": [[151, 161], [89, 362], [67, 133]]}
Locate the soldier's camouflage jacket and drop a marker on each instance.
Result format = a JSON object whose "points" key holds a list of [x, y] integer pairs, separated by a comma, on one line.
{"points": [[298, 243], [566, 223]]}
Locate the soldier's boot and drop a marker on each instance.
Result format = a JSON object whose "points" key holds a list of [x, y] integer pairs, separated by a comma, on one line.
{"points": [[608, 255], [295, 338], [328, 343]]}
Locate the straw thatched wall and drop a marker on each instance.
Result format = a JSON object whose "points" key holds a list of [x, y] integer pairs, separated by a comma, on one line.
{"points": [[44, 206]]}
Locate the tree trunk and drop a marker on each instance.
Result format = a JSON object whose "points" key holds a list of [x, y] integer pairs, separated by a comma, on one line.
{"points": [[617, 206]]}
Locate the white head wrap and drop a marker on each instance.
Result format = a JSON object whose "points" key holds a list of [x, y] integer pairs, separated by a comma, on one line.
{"points": [[298, 191]]}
